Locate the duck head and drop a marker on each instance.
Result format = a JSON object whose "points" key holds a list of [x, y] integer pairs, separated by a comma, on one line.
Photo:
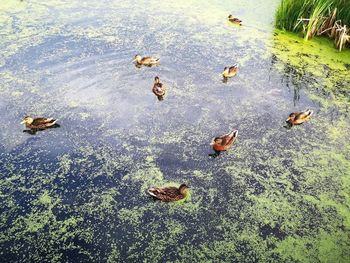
{"points": [[230, 16], [137, 58], [291, 117], [27, 120], [156, 79], [226, 70], [216, 141]]}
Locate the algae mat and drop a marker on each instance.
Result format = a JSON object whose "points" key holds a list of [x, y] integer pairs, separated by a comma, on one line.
{"points": [[77, 193]]}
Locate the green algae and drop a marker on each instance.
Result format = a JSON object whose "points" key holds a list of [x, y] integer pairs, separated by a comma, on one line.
{"points": [[300, 51], [319, 59]]}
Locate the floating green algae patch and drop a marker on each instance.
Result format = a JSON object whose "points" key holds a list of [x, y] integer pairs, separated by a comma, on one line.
{"points": [[292, 49], [319, 61]]}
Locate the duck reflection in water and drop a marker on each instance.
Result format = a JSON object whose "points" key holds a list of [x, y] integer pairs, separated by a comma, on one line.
{"points": [[34, 125]]}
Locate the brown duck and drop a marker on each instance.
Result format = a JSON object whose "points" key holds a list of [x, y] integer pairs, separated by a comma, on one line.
{"points": [[297, 118], [230, 71], [147, 61], [38, 123], [158, 88], [234, 20], [169, 194], [224, 142]]}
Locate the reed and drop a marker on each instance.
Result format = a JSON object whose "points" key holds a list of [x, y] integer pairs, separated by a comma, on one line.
{"points": [[316, 17]]}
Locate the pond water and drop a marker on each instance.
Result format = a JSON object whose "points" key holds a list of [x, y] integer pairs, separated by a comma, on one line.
{"points": [[77, 193]]}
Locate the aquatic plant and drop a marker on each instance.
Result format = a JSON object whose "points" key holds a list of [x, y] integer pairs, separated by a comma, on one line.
{"points": [[314, 17]]}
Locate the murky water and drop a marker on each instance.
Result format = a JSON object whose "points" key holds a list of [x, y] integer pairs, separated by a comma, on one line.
{"points": [[77, 193]]}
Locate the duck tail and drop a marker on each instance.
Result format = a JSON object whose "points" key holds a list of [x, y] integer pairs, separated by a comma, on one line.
{"points": [[309, 112], [53, 122], [151, 191], [235, 133]]}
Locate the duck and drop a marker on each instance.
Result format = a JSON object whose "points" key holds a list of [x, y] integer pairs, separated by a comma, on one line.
{"points": [[234, 20], [296, 118], [230, 71], [147, 61], [158, 88], [38, 123], [224, 142], [169, 194]]}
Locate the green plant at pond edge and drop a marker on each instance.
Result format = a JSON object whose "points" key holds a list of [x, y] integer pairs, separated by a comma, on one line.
{"points": [[312, 16]]}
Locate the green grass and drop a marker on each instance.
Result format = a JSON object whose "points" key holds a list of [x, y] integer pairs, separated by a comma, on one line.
{"points": [[290, 11], [320, 9]]}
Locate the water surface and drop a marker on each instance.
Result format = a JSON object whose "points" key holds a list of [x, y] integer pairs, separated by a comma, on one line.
{"points": [[77, 193]]}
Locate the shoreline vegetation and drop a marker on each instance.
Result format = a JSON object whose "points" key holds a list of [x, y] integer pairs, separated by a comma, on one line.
{"points": [[316, 18]]}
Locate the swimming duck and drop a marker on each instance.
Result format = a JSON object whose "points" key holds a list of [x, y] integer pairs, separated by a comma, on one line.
{"points": [[158, 88], [230, 71], [234, 20], [169, 194], [147, 61], [38, 123], [224, 142], [296, 118]]}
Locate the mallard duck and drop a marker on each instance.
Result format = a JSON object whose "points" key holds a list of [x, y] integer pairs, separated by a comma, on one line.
{"points": [[147, 61], [230, 71], [234, 20], [38, 123], [224, 142], [158, 88], [169, 194], [297, 118]]}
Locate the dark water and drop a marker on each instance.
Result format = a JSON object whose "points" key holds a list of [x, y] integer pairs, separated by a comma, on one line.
{"points": [[77, 193]]}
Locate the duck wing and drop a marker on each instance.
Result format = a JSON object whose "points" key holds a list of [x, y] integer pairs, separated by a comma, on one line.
{"points": [[150, 60], [235, 20], [303, 115], [233, 68], [158, 89], [165, 194], [227, 139], [42, 121]]}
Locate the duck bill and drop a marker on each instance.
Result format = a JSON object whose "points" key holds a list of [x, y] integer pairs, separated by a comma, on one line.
{"points": [[23, 122], [287, 120]]}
